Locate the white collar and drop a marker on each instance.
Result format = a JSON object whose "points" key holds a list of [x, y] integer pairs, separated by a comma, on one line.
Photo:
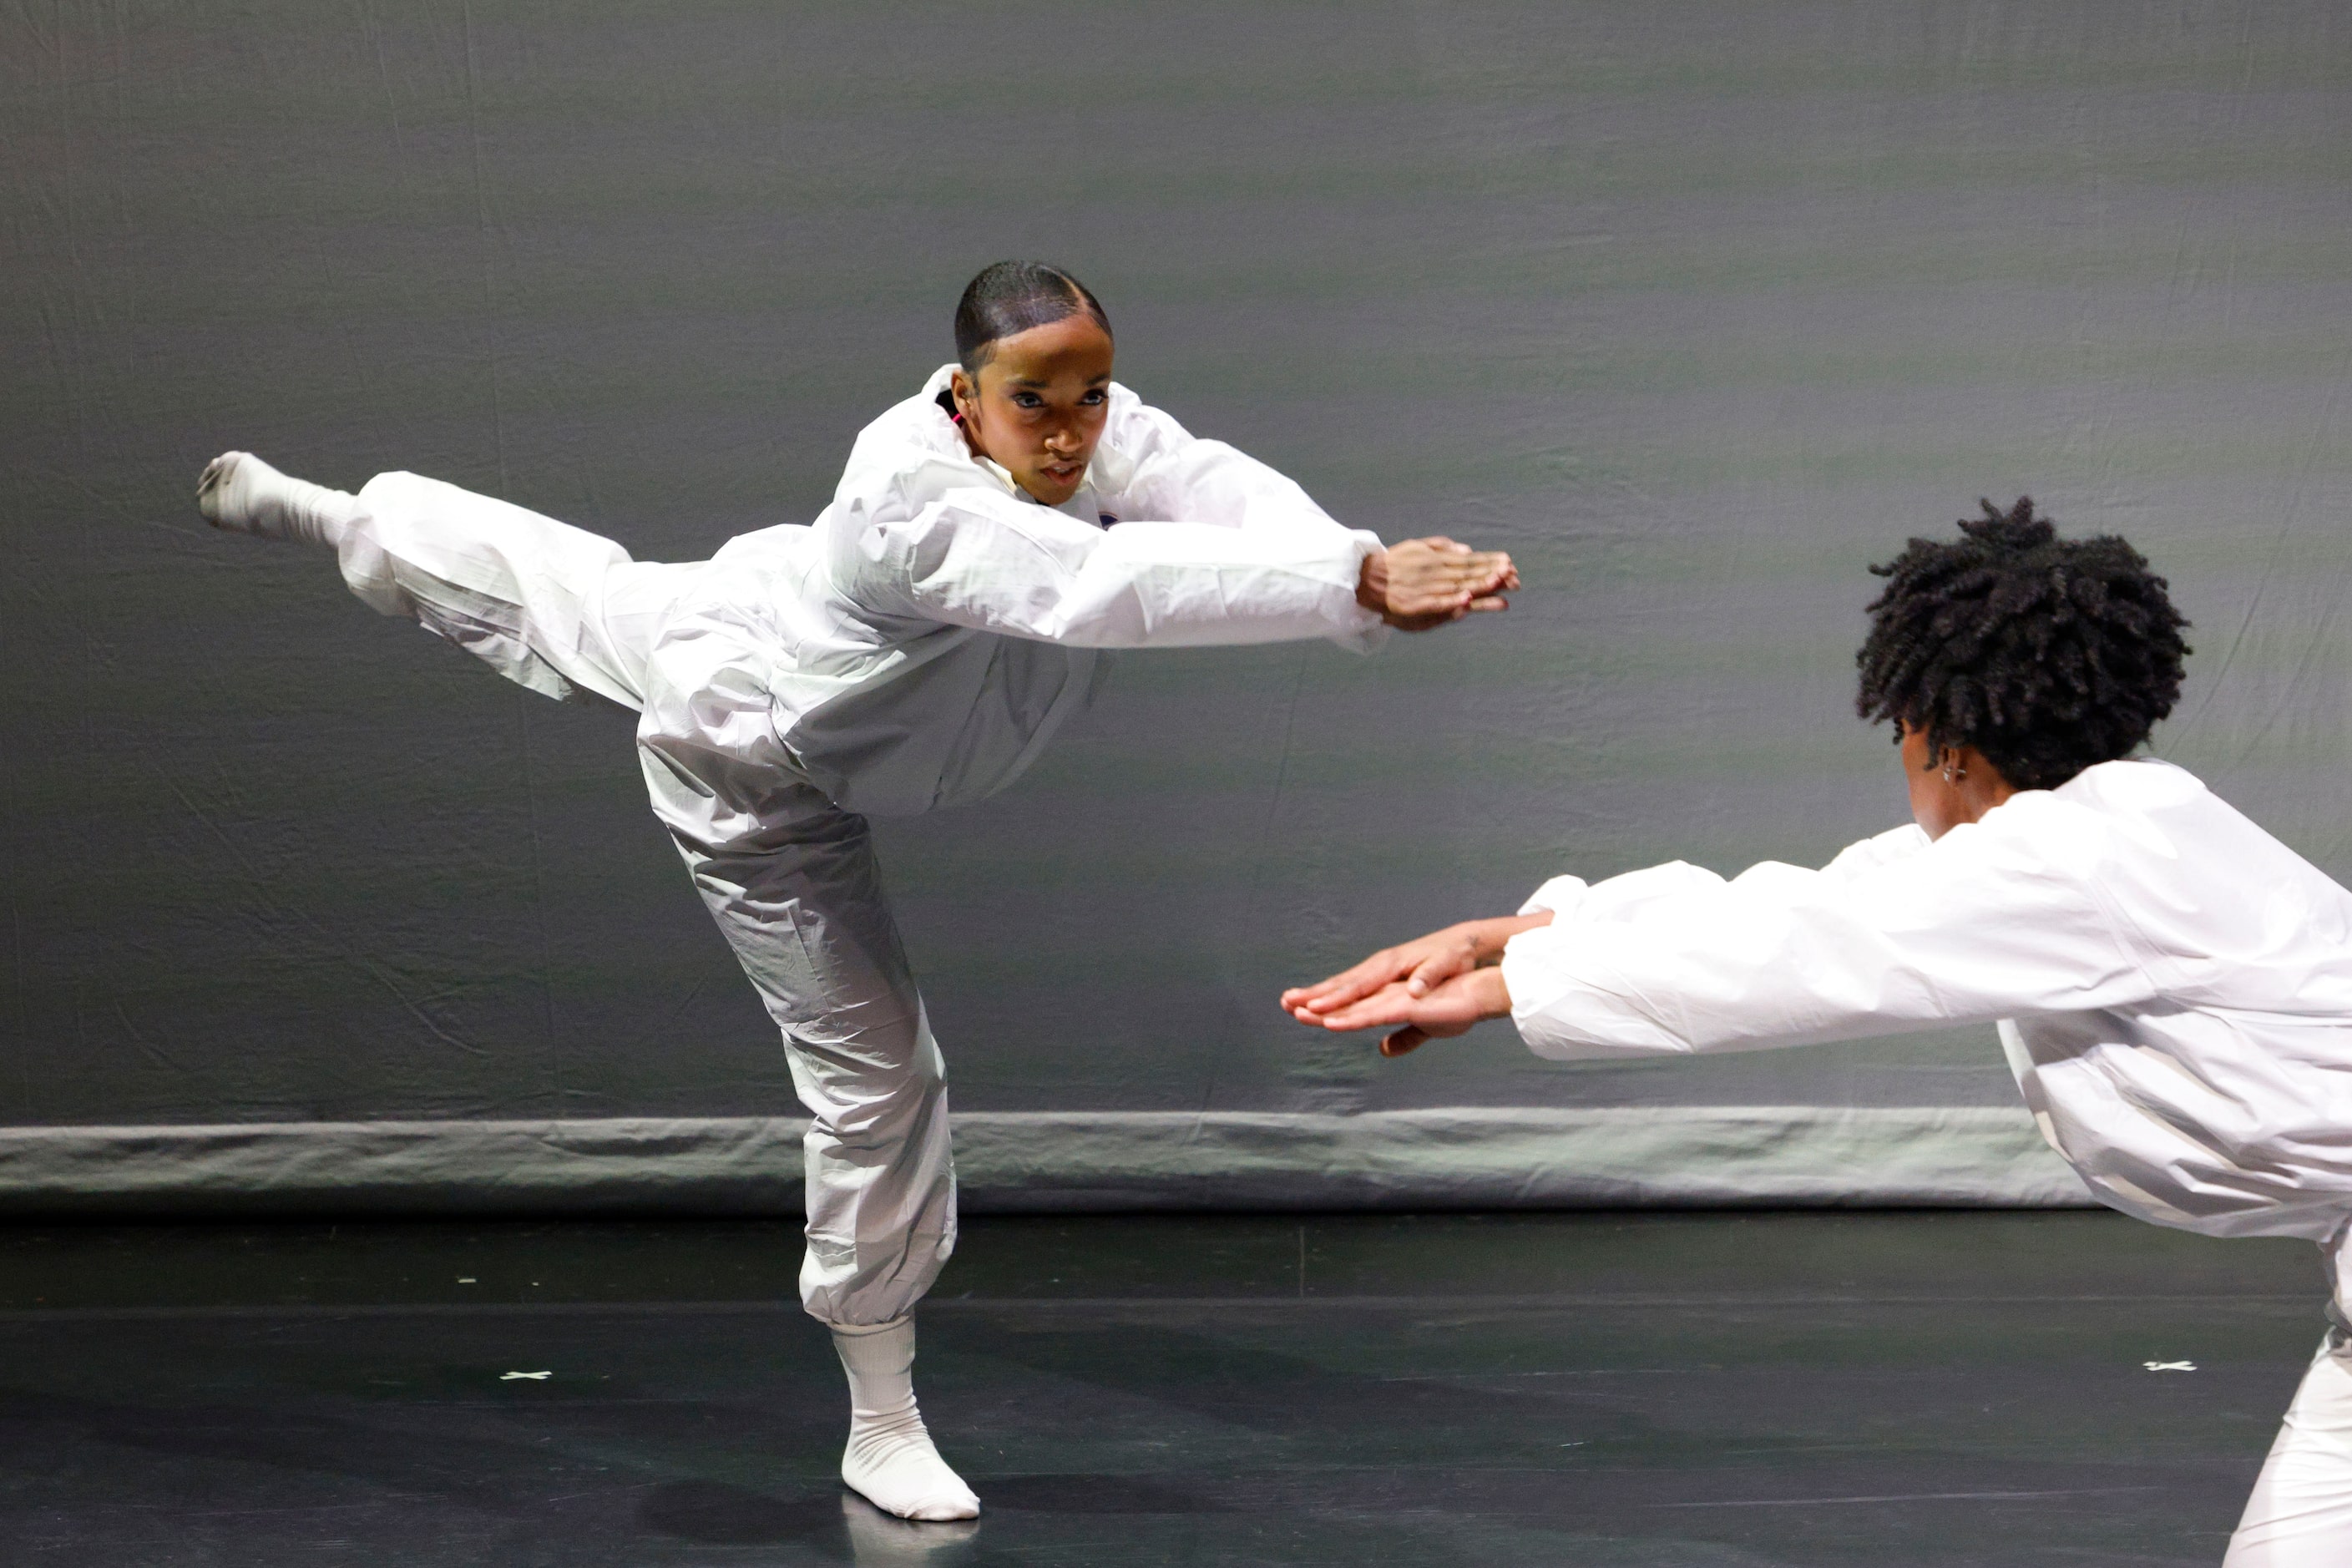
{"points": [[996, 471]]}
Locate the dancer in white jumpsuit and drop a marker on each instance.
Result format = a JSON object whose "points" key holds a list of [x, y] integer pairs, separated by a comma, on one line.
{"points": [[916, 647], [2173, 985]]}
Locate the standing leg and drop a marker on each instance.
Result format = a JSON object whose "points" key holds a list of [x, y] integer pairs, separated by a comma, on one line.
{"points": [[2300, 1515], [801, 902]]}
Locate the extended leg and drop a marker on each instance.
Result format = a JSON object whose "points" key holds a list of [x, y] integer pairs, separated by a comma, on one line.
{"points": [[802, 904], [239, 492], [2300, 1515], [550, 606]]}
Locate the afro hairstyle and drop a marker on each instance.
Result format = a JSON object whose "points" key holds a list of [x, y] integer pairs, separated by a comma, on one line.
{"points": [[2047, 654]]}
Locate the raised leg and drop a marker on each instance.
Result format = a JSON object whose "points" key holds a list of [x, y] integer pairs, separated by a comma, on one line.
{"points": [[548, 605], [239, 493]]}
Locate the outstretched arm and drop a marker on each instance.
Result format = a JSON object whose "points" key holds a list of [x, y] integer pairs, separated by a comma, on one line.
{"points": [[1413, 586], [1996, 919], [977, 556]]}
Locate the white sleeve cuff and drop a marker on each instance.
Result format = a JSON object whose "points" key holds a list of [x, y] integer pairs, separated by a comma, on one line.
{"points": [[1560, 896]]}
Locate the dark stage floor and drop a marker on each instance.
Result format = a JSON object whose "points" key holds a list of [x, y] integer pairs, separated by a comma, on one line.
{"points": [[1717, 1391]]}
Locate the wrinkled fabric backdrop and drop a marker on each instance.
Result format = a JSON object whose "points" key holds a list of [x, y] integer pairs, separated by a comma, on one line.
{"points": [[1697, 309]]}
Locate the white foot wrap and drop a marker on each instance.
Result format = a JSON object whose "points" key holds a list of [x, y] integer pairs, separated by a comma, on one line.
{"points": [[891, 1461], [239, 492]]}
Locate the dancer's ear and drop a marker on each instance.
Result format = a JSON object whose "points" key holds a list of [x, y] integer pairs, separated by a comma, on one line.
{"points": [[965, 390]]}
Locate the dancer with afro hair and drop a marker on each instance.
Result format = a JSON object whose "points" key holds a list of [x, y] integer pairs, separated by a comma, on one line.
{"points": [[2172, 985], [2048, 655]]}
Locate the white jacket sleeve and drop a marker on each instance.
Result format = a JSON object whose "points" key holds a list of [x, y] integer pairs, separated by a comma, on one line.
{"points": [[1221, 549], [1995, 920]]}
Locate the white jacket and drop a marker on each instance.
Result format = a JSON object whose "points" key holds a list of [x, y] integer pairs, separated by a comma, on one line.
{"points": [[2173, 985], [925, 636]]}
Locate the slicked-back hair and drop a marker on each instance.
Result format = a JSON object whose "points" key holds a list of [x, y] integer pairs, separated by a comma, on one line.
{"points": [[2047, 654], [1011, 297]]}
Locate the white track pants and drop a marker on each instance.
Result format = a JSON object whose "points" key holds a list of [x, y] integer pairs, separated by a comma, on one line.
{"points": [[2300, 1515], [789, 877]]}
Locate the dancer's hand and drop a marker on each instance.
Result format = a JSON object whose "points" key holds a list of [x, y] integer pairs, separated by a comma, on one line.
{"points": [[1418, 966], [1424, 984], [1425, 583], [1444, 1011]]}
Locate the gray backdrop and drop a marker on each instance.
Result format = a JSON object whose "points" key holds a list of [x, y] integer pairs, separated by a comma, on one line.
{"points": [[1695, 308]]}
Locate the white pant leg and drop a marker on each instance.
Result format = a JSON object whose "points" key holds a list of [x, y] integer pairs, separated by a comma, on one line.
{"points": [[2300, 1515], [802, 905], [790, 878], [550, 606]]}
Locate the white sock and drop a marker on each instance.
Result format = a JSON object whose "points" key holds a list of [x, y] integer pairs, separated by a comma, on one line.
{"points": [[891, 1461], [239, 492]]}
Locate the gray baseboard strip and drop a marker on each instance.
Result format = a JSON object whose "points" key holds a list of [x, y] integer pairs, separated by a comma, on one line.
{"points": [[1055, 1161]]}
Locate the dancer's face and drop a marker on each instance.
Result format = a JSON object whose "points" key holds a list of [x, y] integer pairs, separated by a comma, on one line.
{"points": [[1038, 404]]}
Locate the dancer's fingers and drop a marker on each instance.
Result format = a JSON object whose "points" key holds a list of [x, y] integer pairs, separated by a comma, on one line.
{"points": [[1497, 569], [1405, 1039], [1441, 963], [1349, 985], [1354, 987], [1321, 994], [1392, 1004]]}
